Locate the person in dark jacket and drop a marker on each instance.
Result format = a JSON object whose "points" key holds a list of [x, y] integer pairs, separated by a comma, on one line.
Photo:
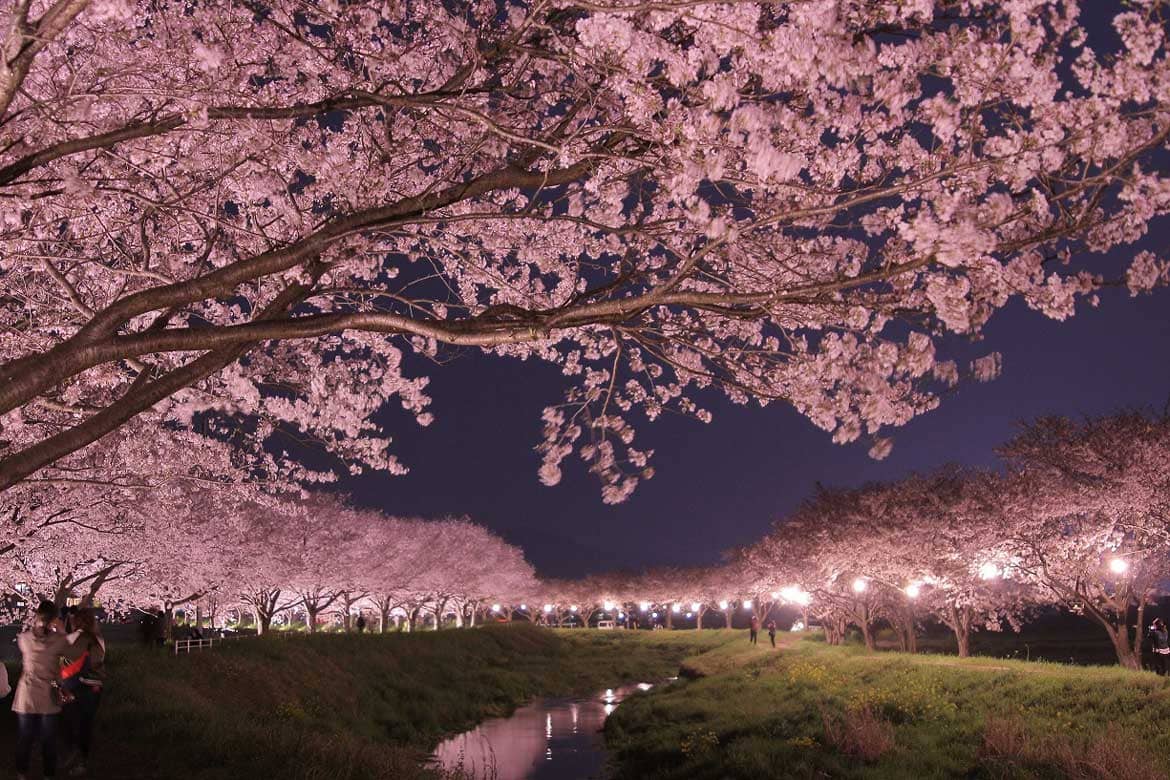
{"points": [[755, 630], [772, 631], [83, 679], [1160, 644]]}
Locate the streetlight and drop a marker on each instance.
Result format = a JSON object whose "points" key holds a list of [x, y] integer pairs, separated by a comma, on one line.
{"points": [[645, 605], [695, 607], [859, 585], [1119, 566], [495, 607], [547, 608], [988, 571], [675, 608], [523, 607], [913, 590], [608, 606], [723, 604], [573, 609], [747, 604]]}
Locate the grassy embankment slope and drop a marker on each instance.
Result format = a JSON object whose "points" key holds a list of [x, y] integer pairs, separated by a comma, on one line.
{"points": [[338, 706], [812, 710]]}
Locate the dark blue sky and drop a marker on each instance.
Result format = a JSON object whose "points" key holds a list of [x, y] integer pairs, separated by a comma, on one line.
{"points": [[722, 484]]}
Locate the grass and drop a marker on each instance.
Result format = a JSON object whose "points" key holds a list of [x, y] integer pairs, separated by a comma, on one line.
{"points": [[812, 710], [348, 706]]}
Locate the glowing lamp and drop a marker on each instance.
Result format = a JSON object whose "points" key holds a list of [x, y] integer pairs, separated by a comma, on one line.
{"points": [[547, 608], [723, 604], [695, 607], [675, 608], [988, 571], [747, 604], [913, 590], [523, 606], [573, 609], [859, 585], [608, 606], [495, 607], [690, 614], [1119, 566], [645, 605], [654, 614]]}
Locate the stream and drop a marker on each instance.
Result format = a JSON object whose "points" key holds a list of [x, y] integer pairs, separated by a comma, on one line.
{"points": [[549, 739]]}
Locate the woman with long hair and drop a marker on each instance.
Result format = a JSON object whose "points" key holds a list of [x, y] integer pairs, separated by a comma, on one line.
{"points": [[83, 679]]}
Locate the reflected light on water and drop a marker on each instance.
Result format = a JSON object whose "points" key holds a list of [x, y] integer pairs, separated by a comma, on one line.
{"points": [[550, 739]]}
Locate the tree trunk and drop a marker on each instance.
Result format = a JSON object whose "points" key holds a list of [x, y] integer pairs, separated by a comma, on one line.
{"points": [[727, 614], [699, 619], [1128, 655], [263, 621], [867, 635], [961, 624]]}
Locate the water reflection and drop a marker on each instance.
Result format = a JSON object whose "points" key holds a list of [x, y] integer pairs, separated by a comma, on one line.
{"points": [[550, 739]]}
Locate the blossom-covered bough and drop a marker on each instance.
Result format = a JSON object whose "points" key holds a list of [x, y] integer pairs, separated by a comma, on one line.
{"points": [[244, 217]]}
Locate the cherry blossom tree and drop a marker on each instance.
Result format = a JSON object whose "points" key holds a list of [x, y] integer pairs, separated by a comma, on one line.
{"points": [[1089, 505], [244, 219]]}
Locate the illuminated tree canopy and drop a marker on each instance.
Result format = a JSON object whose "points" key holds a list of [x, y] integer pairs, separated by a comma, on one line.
{"points": [[245, 218]]}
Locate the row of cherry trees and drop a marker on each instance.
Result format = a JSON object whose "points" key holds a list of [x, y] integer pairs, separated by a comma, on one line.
{"points": [[199, 541], [1079, 517]]}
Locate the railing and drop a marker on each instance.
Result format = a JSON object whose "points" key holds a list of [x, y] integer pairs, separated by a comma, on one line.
{"points": [[187, 645]]}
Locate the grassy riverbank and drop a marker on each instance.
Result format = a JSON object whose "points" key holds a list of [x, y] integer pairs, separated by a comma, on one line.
{"points": [[812, 710], [347, 706]]}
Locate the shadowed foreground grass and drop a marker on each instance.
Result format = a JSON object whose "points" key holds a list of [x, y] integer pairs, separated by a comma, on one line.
{"points": [[346, 706], [811, 710]]}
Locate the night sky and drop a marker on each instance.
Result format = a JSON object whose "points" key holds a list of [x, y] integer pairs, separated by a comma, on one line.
{"points": [[722, 484]]}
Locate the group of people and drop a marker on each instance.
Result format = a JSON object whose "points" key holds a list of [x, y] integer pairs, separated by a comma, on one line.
{"points": [[59, 689], [754, 634]]}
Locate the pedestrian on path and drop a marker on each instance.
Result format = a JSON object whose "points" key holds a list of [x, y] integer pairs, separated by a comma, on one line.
{"points": [[772, 632], [755, 634]]}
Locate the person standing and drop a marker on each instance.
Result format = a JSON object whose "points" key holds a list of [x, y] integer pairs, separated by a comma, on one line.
{"points": [[38, 698], [84, 679], [361, 622], [772, 632], [1160, 644], [755, 630]]}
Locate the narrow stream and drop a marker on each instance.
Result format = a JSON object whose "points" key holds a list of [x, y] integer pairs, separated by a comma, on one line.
{"points": [[549, 739]]}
